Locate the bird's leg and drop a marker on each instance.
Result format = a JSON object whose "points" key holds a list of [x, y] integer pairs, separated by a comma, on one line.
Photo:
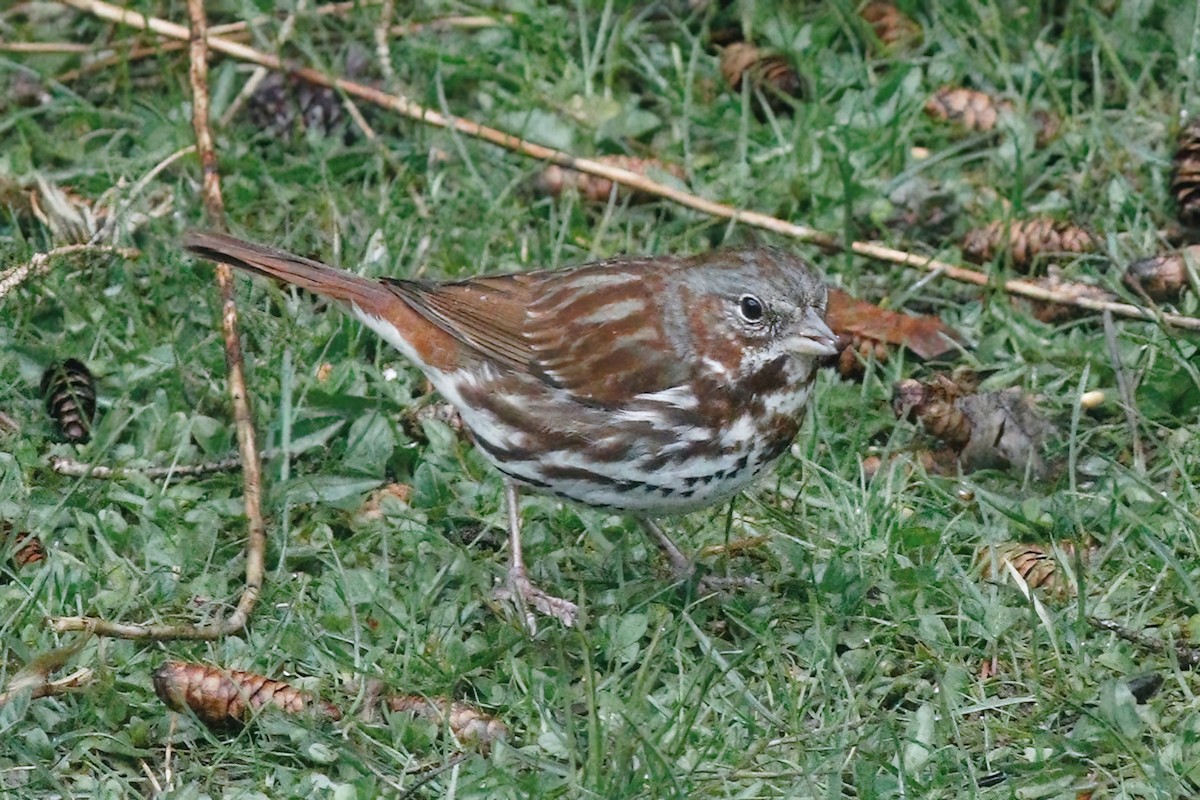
{"points": [[682, 567], [519, 586]]}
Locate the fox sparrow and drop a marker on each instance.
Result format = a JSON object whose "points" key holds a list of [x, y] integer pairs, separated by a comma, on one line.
{"points": [[644, 385]]}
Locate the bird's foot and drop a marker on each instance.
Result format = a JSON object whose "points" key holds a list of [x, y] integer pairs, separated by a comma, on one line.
{"points": [[530, 598]]}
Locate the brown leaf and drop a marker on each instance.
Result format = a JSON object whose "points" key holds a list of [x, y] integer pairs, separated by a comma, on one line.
{"points": [[926, 336]]}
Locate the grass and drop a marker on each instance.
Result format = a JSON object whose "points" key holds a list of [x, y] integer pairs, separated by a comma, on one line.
{"points": [[852, 671]]}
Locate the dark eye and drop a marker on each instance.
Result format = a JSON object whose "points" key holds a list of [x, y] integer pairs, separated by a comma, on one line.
{"points": [[751, 308]]}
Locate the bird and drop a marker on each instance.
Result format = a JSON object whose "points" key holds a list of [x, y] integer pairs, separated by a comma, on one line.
{"points": [[647, 386]]}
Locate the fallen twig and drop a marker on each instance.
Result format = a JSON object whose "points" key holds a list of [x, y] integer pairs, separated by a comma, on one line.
{"points": [[469, 23], [40, 263], [408, 108], [76, 680], [78, 469], [34, 677], [127, 52], [252, 469], [1188, 657], [44, 47]]}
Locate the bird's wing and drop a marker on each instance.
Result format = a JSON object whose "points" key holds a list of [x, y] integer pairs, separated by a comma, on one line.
{"points": [[485, 314], [592, 330]]}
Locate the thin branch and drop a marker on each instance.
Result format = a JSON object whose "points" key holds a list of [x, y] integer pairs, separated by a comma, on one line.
{"points": [[451, 23], [78, 469], [127, 52], [406, 107], [252, 469], [256, 540], [46, 688], [39, 264], [34, 677], [45, 47], [1188, 657]]}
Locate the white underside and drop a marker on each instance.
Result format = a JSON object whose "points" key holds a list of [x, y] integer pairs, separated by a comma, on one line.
{"points": [[639, 488]]}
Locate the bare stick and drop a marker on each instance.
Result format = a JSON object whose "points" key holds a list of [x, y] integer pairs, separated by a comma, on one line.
{"points": [[1189, 657], [126, 52], [408, 108], [40, 263], [34, 677], [256, 540], [44, 47], [252, 472], [77, 469], [451, 23], [47, 688]]}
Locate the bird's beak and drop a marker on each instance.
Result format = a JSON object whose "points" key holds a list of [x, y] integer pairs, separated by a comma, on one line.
{"points": [[812, 337]]}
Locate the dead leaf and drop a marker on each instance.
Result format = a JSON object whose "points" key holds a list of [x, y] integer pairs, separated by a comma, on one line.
{"points": [[927, 336]]}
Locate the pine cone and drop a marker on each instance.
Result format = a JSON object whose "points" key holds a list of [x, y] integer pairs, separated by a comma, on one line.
{"points": [[971, 109], [856, 351], [1037, 564], [986, 429], [934, 405], [1052, 313], [285, 105], [1025, 240], [23, 547], [554, 179], [893, 27], [1185, 178], [70, 394], [229, 698], [770, 74], [1162, 278]]}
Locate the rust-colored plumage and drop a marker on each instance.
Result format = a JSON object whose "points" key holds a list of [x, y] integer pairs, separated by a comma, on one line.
{"points": [[645, 385]]}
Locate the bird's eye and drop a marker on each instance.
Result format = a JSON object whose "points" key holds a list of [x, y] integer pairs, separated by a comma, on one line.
{"points": [[751, 308]]}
